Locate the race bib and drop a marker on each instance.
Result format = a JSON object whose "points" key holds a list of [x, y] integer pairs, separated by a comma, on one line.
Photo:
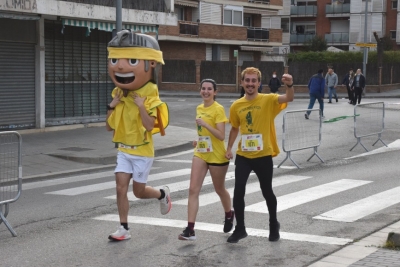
{"points": [[204, 144], [252, 142]]}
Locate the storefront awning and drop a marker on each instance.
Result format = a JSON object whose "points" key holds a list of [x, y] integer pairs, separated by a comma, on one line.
{"points": [[187, 3], [108, 26], [256, 48]]}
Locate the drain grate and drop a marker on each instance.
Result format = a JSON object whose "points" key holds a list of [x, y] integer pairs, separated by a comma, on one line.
{"points": [[74, 148]]}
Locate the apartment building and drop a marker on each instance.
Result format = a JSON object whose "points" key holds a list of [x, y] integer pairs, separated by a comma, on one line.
{"points": [[340, 22], [53, 67], [220, 30]]}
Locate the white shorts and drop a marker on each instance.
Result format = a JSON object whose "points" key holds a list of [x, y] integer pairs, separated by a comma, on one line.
{"points": [[138, 166]]}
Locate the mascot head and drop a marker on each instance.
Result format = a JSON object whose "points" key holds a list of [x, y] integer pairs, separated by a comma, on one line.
{"points": [[133, 60]]}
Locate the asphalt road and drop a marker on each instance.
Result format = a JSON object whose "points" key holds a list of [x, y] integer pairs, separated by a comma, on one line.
{"points": [[65, 222]]}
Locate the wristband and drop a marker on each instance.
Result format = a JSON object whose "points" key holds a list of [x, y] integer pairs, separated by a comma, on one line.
{"points": [[289, 86], [110, 108]]}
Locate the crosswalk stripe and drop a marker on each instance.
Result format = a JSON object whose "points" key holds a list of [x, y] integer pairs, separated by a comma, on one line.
{"points": [[231, 163], [218, 229], [178, 186], [363, 207], [108, 185], [300, 197], [211, 198], [60, 181]]}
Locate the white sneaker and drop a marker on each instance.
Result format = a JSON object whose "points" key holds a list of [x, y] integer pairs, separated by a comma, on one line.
{"points": [[165, 203], [120, 234]]}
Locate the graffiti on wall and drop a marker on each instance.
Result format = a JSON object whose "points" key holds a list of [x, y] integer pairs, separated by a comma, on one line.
{"points": [[19, 5]]}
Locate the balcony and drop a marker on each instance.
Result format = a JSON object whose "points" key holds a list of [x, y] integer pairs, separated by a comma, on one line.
{"points": [[257, 34], [337, 10], [337, 38], [301, 38], [188, 28], [266, 2], [303, 11]]}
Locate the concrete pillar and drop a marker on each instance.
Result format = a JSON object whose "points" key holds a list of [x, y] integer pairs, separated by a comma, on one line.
{"points": [[40, 76], [198, 65]]}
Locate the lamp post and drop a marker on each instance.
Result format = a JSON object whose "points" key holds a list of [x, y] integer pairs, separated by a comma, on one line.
{"points": [[365, 41], [119, 15]]}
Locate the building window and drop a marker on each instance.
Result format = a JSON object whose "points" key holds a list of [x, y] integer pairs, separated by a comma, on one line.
{"points": [[393, 35], [304, 28], [233, 15], [394, 4], [180, 11]]}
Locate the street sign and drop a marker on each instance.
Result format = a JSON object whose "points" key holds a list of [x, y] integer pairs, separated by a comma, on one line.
{"points": [[235, 53], [365, 44]]}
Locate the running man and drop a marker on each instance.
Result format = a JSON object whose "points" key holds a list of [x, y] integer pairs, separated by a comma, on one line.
{"points": [[135, 114], [253, 116]]}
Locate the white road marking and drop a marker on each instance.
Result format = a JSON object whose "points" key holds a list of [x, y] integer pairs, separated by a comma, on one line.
{"points": [[211, 198], [300, 197], [174, 154], [363, 207], [109, 185], [218, 229], [231, 163], [178, 186]]}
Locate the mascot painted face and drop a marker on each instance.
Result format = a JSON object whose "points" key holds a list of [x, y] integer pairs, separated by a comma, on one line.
{"points": [[133, 60]]}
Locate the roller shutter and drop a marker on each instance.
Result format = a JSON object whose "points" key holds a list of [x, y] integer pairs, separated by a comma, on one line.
{"points": [[17, 86]]}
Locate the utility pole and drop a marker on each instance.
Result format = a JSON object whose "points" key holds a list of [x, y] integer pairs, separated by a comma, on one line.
{"points": [[365, 41], [119, 15], [379, 42]]}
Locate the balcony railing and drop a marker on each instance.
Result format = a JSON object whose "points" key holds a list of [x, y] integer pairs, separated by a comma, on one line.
{"points": [[337, 38], [188, 28], [267, 2], [337, 9], [300, 38], [309, 11], [257, 34]]}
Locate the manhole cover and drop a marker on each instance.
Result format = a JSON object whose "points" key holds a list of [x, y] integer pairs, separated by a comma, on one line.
{"points": [[73, 148]]}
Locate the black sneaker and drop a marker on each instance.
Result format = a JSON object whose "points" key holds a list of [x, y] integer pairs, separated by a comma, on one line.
{"points": [[337, 99], [306, 116], [237, 235], [187, 235], [228, 223], [274, 231]]}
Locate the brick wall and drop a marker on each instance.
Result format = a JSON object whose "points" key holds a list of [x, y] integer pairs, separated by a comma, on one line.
{"points": [[222, 32], [275, 35]]}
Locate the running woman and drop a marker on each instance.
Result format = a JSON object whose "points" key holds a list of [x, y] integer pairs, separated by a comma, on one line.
{"points": [[209, 155]]}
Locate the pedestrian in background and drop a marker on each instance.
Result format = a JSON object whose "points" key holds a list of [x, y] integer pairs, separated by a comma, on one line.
{"points": [[253, 116], [316, 87], [274, 83], [358, 86], [348, 81], [209, 155], [331, 80]]}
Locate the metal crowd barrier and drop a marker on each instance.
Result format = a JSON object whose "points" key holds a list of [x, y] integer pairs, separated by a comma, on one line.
{"points": [[10, 173], [299, 133], [369, 119]]}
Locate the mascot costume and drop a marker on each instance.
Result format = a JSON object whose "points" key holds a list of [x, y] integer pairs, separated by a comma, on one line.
{"points": [[134, 60]]}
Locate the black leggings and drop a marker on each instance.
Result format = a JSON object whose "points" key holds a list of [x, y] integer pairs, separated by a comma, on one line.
{"points": [[263, 168], [357, 94]]}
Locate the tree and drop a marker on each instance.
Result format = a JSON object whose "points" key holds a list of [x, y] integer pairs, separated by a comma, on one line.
{"points": [[316, 44]]}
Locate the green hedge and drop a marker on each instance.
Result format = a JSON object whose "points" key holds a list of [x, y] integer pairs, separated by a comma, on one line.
{"points": [[343, 57]]}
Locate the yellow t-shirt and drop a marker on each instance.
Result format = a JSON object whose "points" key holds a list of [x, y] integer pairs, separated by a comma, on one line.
{"points": [[211, 115], [127, 123], [257, 117]]}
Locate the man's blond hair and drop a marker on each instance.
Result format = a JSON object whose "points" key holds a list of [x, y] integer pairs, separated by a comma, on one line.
{"points": [[251, 70]]}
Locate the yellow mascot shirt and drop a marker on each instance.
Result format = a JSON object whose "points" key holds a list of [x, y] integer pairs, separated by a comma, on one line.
{"points": [[257, 117], [211, 115], [127, 123]]}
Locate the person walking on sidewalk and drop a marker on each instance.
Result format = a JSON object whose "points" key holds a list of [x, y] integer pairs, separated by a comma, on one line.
{"points": [[209, 155], [348, 81], [274, 83], [135, 114], [358, 86], [316, 87], [331, 80], [253, 116]]}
